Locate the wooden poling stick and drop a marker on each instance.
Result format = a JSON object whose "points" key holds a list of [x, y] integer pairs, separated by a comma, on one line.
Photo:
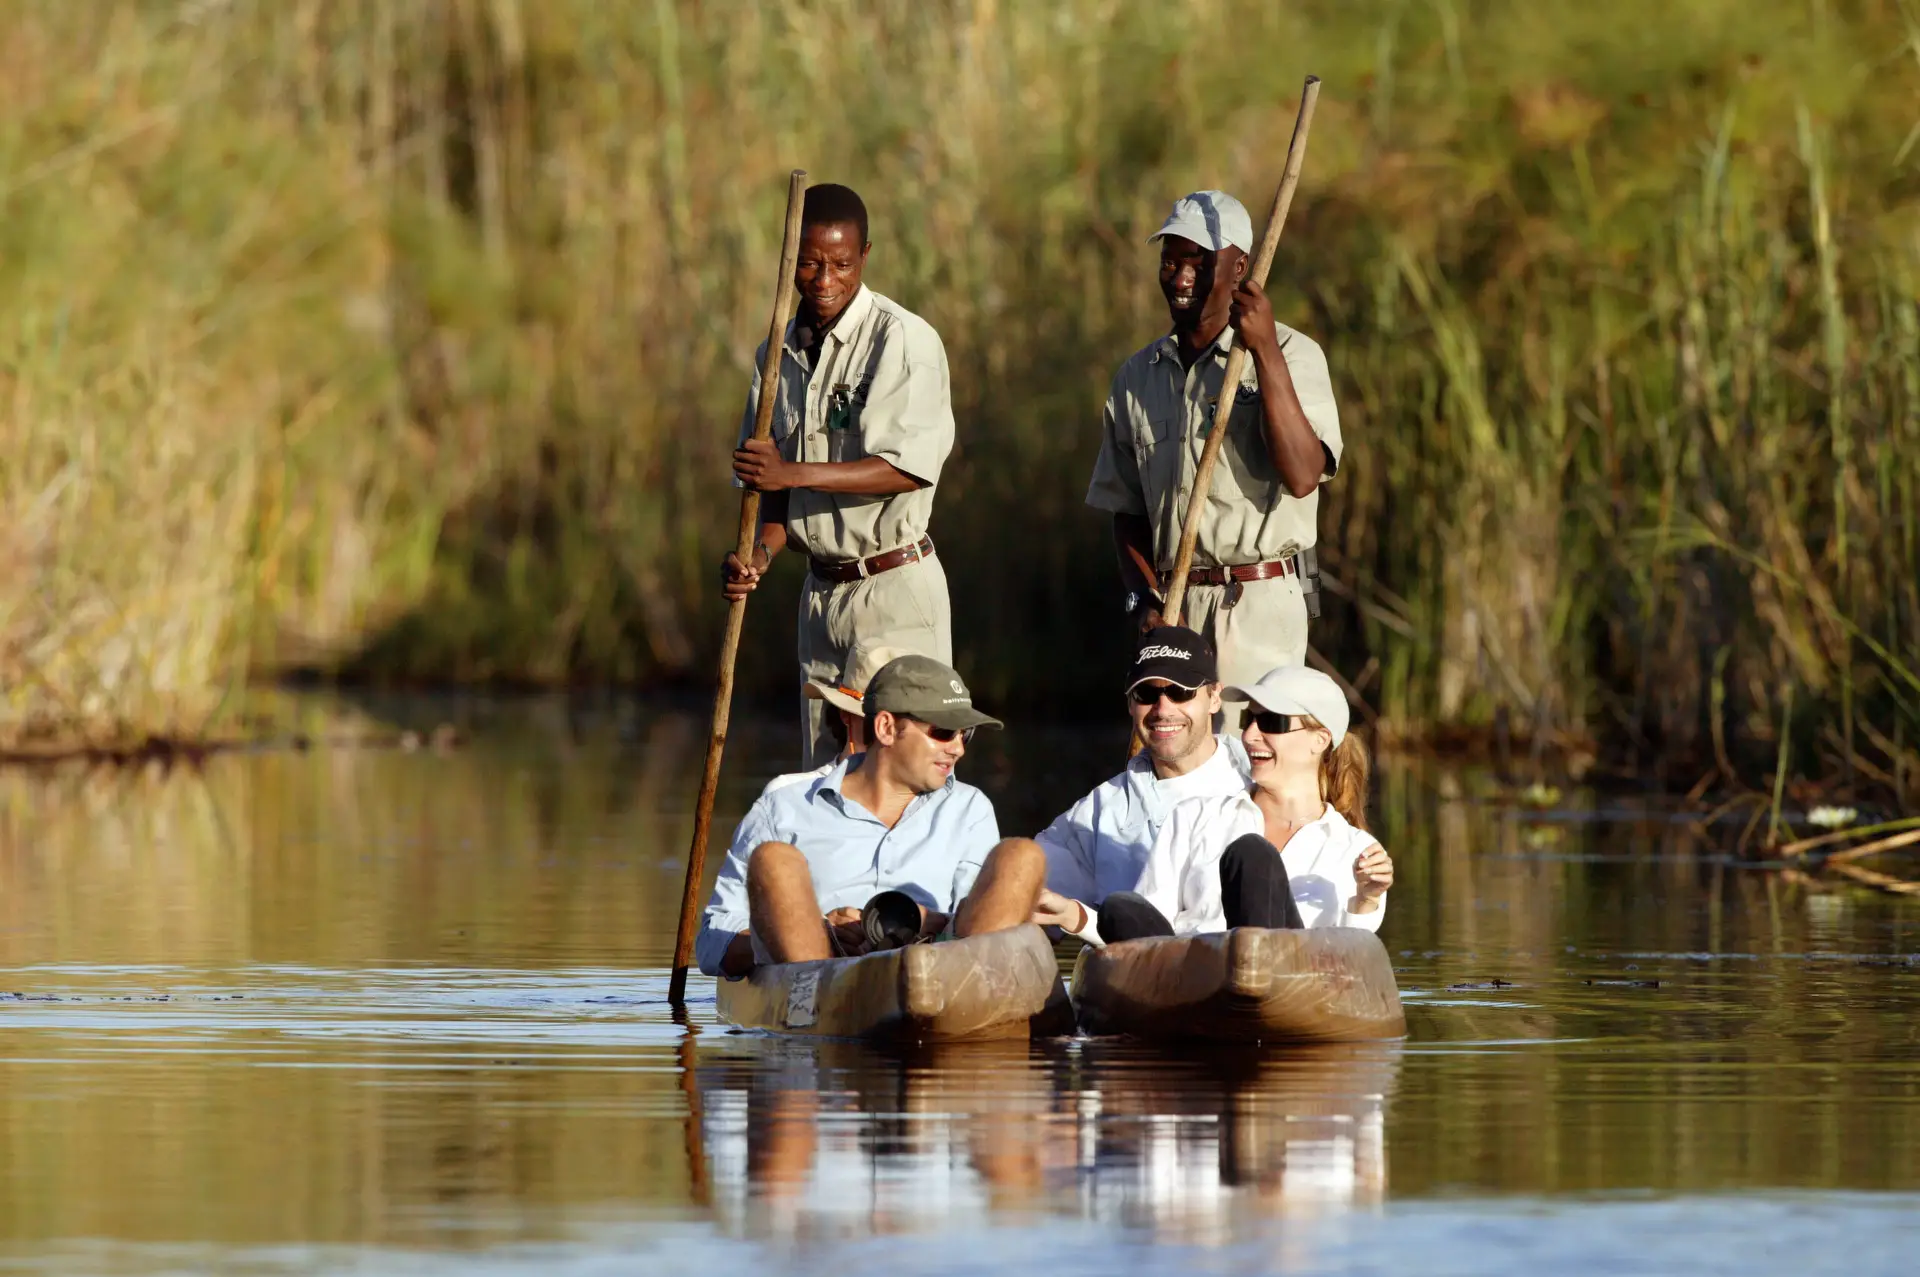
{"points": [[783, 300], [1237, 358]]}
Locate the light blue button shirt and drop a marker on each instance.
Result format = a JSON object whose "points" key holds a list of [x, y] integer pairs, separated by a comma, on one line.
{"points": [[1100, 844], [933, 853]]}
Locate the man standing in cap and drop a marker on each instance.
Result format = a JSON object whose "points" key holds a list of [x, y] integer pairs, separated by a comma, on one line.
{"points": [[1100, 845], [863, 425], [1247, 590], [813, 866]]}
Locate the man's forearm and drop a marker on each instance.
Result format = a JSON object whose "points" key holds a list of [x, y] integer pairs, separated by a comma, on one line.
{"points": [[868, 477], [1133, 543], [773, 523], [1293, 447]]}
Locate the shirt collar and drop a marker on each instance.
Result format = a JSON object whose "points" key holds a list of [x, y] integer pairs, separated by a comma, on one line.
{"points": [[1143, 761], [832, 782], [843, 328], [1329, 817], [1168, 347]]}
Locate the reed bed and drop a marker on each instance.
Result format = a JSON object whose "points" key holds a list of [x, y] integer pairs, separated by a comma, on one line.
{"points": [[407, 340]]}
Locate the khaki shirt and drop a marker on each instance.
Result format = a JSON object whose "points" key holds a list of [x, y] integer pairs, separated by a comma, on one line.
{"points": [[1155, 425], [880, 391]]}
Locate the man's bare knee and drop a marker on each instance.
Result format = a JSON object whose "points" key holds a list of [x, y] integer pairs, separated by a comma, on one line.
{"points": [[773, 860], [1007, 889], [781, 908], [1022, 856]]}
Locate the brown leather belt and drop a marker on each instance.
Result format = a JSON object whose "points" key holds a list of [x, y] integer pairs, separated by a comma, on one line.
{"points": [[1236, 573], [855, 569]]}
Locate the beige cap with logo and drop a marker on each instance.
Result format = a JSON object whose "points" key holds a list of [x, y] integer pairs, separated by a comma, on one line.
{"points": [[847, 694]]}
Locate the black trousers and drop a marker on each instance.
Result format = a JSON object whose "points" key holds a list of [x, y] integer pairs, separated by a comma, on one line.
{"points": [[1253, 888]]}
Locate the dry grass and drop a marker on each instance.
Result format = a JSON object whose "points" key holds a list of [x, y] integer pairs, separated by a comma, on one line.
{"points": [[408, 337]]}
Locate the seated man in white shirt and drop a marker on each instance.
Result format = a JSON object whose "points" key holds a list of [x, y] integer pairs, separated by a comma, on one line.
{"points": [[1100, 845], [817, 869]]}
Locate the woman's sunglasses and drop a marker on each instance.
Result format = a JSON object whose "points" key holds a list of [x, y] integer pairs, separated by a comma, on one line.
{"points": [[1150, 694], [1269, 722]]}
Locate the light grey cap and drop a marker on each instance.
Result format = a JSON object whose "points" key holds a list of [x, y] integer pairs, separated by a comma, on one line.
{"points": [[1296, 689], [1211, 219]]}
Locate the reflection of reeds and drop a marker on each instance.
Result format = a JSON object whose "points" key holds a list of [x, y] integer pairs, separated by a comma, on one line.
{"points": [[410, 336]]}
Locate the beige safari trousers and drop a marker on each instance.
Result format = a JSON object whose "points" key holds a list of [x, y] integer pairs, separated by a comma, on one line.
{"points": [[1265, 628], [906, 608]]}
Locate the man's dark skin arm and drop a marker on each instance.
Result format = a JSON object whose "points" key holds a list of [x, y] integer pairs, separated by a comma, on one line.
{"points": [[1133, 542], [737, 580], [1296, 451], [758, 465]]}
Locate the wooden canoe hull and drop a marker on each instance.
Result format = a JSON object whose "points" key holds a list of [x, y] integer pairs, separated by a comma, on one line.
{"points": [[1328, 984], [1004, 984]]}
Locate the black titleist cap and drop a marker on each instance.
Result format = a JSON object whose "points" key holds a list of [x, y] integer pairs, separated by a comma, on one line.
{"points": [[1176, 654]]}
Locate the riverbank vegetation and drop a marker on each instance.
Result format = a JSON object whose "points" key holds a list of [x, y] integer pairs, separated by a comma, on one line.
{"points": [[406, 340]]}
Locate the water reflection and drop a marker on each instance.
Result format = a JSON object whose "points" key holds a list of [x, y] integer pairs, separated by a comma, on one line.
{"points": [[808, 1140]]}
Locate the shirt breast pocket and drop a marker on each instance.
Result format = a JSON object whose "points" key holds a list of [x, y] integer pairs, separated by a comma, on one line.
{"points": [[845, 406], [1154, 438], [1247, 435]]}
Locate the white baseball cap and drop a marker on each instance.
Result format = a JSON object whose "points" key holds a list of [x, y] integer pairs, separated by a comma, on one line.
{"points": [[849, 693], [1296, 689], [1211, 219]]}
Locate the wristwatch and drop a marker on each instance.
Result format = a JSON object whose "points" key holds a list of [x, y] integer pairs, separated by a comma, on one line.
{"points": [[1137, 599]]}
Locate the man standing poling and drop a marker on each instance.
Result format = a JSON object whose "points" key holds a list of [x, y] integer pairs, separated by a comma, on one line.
{"points": [[863, 424], [1247, 591]]}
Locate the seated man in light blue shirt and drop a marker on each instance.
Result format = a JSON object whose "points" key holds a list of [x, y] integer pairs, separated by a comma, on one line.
{"points": [[809, 856], [1100, 844]]}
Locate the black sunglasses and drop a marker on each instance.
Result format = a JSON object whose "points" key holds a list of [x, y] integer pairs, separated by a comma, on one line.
{"points": [[1147, 694], [944, 735], [1271, 723]]}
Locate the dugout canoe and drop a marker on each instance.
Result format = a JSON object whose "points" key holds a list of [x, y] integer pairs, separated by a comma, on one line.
{"points": [[1004, 984], [1328, 984]]}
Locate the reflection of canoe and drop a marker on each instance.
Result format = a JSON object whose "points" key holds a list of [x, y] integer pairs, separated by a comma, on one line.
{"points": [[1328, 984], [1004, 984]]}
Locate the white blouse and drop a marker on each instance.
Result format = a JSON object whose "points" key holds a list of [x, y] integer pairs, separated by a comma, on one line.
{"points": [[1182, 877]]}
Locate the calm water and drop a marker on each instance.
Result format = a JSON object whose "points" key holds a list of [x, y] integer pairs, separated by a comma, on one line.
{"points": [[386, 1012]]}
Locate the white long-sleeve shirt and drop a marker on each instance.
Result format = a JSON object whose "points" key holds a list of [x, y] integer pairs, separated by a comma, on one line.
{"points": [[1100, 844], [1182, 875]]}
